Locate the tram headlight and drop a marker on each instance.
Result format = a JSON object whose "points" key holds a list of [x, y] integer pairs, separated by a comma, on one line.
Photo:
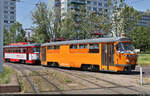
{"points": [[128, 61], [127, 55]]}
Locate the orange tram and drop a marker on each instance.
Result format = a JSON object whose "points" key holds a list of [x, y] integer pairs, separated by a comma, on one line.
{"points": [[102, 54]]}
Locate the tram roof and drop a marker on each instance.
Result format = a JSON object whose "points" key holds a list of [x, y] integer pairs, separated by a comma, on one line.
{"points": [[119, 39], [27, 45]]}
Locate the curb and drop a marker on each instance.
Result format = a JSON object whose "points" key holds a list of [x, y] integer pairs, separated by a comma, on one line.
{"points": [[12, 87]]}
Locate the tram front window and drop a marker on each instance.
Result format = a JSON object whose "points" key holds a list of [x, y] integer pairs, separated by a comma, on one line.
{"points": [[125, 47]]}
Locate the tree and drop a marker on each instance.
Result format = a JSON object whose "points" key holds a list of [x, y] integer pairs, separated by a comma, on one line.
{"points": [[16, 34], [140, 37], [68, 26], [130, 17], [81, 23], [124, 18], [91, 22], [74, 24], [45, 22], [6, 37]]}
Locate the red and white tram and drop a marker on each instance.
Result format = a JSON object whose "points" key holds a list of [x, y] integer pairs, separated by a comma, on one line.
{"points": [[23, 53]]}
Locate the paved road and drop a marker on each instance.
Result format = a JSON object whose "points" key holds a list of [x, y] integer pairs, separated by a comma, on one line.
{"points": [[146, 70]]}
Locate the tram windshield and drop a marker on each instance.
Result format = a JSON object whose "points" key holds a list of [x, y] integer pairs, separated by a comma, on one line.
{"points": [[125, 47]]}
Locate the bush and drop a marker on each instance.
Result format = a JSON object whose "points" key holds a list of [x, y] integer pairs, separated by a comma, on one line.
{"points": [[5, 76]]}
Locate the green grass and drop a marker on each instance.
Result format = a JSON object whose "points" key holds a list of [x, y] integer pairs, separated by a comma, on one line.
{"points": [[144, 59], [5, 76]]}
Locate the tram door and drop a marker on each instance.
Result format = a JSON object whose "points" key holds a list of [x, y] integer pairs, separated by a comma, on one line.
{"points": [[107, 58], [28, 53], [43, 54]]}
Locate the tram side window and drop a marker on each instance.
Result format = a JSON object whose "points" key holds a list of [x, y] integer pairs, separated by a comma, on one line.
{"points": [[73, 47], [56, 47], [36, 50], [94, 48], [12, 50], [8, 50], [24, 50], [16, 50], [83, 46], [19, 50], [50, 47]]}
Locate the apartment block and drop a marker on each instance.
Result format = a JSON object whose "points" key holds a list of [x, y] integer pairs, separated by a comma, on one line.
{"points": [[144, 21], [99, 6], [9, 13]]}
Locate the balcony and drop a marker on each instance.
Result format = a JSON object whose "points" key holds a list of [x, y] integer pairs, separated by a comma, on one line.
{"points": [[80, 2]]}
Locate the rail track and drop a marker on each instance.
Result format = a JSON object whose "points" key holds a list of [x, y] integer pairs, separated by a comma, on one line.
{"points": [[76, 74], [35, 89], [116, 85], [26, 76]]}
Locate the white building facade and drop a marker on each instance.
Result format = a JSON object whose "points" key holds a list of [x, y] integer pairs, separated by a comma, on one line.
{"points": [[9, 9], [99, 6], [145, 20]]}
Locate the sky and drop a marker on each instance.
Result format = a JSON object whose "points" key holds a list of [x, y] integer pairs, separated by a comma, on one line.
{"points": [[25, 7]]}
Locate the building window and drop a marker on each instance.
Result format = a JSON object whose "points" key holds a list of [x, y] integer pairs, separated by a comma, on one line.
{"points": [[89, 8], [5, 21], [6, 2], [12, 17], [12, 3], [11, 21], [100, 9], [105, 5], [12, 12], [100, 4], [6, 7], [95, 3], [88, 2], [12, 8], [106, 10], [94, 9], [5, 16], [5, 12]]}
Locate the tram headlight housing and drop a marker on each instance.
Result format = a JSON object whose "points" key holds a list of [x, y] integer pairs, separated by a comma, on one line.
{"points": [[128, 61], [127, 55]]}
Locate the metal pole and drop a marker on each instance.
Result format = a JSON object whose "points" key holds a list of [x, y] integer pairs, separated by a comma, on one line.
{"points": [[141, 76], [1, 35]]}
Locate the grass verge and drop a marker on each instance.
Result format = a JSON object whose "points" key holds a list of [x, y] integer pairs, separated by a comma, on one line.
{"points": [[144, 59], [5, 76]]}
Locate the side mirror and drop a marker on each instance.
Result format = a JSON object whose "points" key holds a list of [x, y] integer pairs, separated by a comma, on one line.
{"points": [[137, 50]]}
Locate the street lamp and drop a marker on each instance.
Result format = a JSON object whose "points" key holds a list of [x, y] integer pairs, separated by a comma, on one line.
{"points": [[1, 35]]}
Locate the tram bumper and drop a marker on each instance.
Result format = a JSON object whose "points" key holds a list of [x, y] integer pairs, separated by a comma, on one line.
{"points": [[127, 67]]}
